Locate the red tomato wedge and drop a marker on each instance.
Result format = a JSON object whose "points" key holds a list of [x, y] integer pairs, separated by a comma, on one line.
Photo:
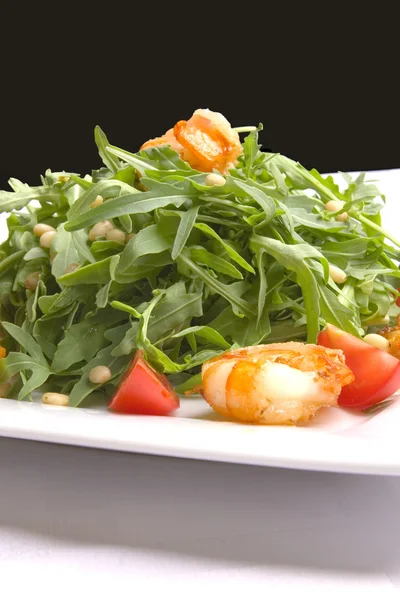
{"points": [[143, 391], [377, 373]]}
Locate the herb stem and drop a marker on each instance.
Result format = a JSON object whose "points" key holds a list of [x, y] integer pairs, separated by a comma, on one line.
{"points": [[245, 129], [377, 228]]}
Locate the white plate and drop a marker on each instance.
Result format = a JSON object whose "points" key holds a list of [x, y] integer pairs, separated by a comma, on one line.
{"points": [[337, 440]]}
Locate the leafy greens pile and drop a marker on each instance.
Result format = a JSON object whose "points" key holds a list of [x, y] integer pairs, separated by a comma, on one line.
{"points": [[210, 267]]}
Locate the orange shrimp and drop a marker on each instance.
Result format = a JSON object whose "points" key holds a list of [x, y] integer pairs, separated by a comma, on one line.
{"points": [[206, 141], [168, 138], [393, 335], [275, 384]]}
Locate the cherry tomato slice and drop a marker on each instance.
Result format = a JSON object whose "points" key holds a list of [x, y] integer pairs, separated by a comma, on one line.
{"points": [[377, 373], [143, 391]]}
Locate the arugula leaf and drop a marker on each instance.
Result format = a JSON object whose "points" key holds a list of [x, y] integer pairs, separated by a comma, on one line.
{"points": [[106, 188], [23, 194], [159, 159], [66, 253], [173, 308], [186, 225], [32, 302], [35, 253], [102, 295], [99, 272], [203, 257], [235, 256], [251, 151], [150, 240], [26, 341], [84, 387], [207, 333], [102, 142], [80, 239], [293, 259], [335, 312], [238, 304], [80, 343], [16, 363], [131, 204]]}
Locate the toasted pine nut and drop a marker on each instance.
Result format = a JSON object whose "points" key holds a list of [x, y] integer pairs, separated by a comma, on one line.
{"points": [[55, 399], [100, 229], [378, 341], [115, 235], [100, 374], [130, 236], [97, 201], [47, 238], [338, 275], [334, 205], [342, 217], [41, 228], [215, 179]]}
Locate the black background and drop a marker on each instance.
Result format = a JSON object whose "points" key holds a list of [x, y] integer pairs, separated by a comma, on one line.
{"points": [[326, 96]]}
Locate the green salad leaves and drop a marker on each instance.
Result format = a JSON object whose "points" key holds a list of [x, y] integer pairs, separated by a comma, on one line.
{"points": [[205, 268]]}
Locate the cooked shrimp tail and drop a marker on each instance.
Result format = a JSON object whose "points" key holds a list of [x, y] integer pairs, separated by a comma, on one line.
{"points": [[275, 384], [206, 141]]}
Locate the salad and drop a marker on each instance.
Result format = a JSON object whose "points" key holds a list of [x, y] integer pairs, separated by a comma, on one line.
{"points": [[133, 276]]}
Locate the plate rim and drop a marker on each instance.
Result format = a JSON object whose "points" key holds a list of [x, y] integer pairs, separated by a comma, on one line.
{"points": [[320, 449]]}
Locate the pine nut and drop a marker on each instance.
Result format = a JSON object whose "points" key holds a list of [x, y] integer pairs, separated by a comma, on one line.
{"points": [[100, 374], [338, 275], [47, 238], [130, 236], [41, 228], [115, 235], [100, 229], [334, 205], [55, 399], [342, 217], [378, 341], [215, 179]]}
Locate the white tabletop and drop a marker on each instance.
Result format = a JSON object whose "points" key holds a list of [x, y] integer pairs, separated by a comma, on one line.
{"points": [[75, 520]]}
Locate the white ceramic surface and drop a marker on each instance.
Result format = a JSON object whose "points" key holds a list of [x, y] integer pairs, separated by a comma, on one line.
{"points": [[336, 441]]}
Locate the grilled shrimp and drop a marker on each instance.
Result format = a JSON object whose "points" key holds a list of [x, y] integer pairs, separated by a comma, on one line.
{"points": [[168, 138], [275, 384], [206, 141]]}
